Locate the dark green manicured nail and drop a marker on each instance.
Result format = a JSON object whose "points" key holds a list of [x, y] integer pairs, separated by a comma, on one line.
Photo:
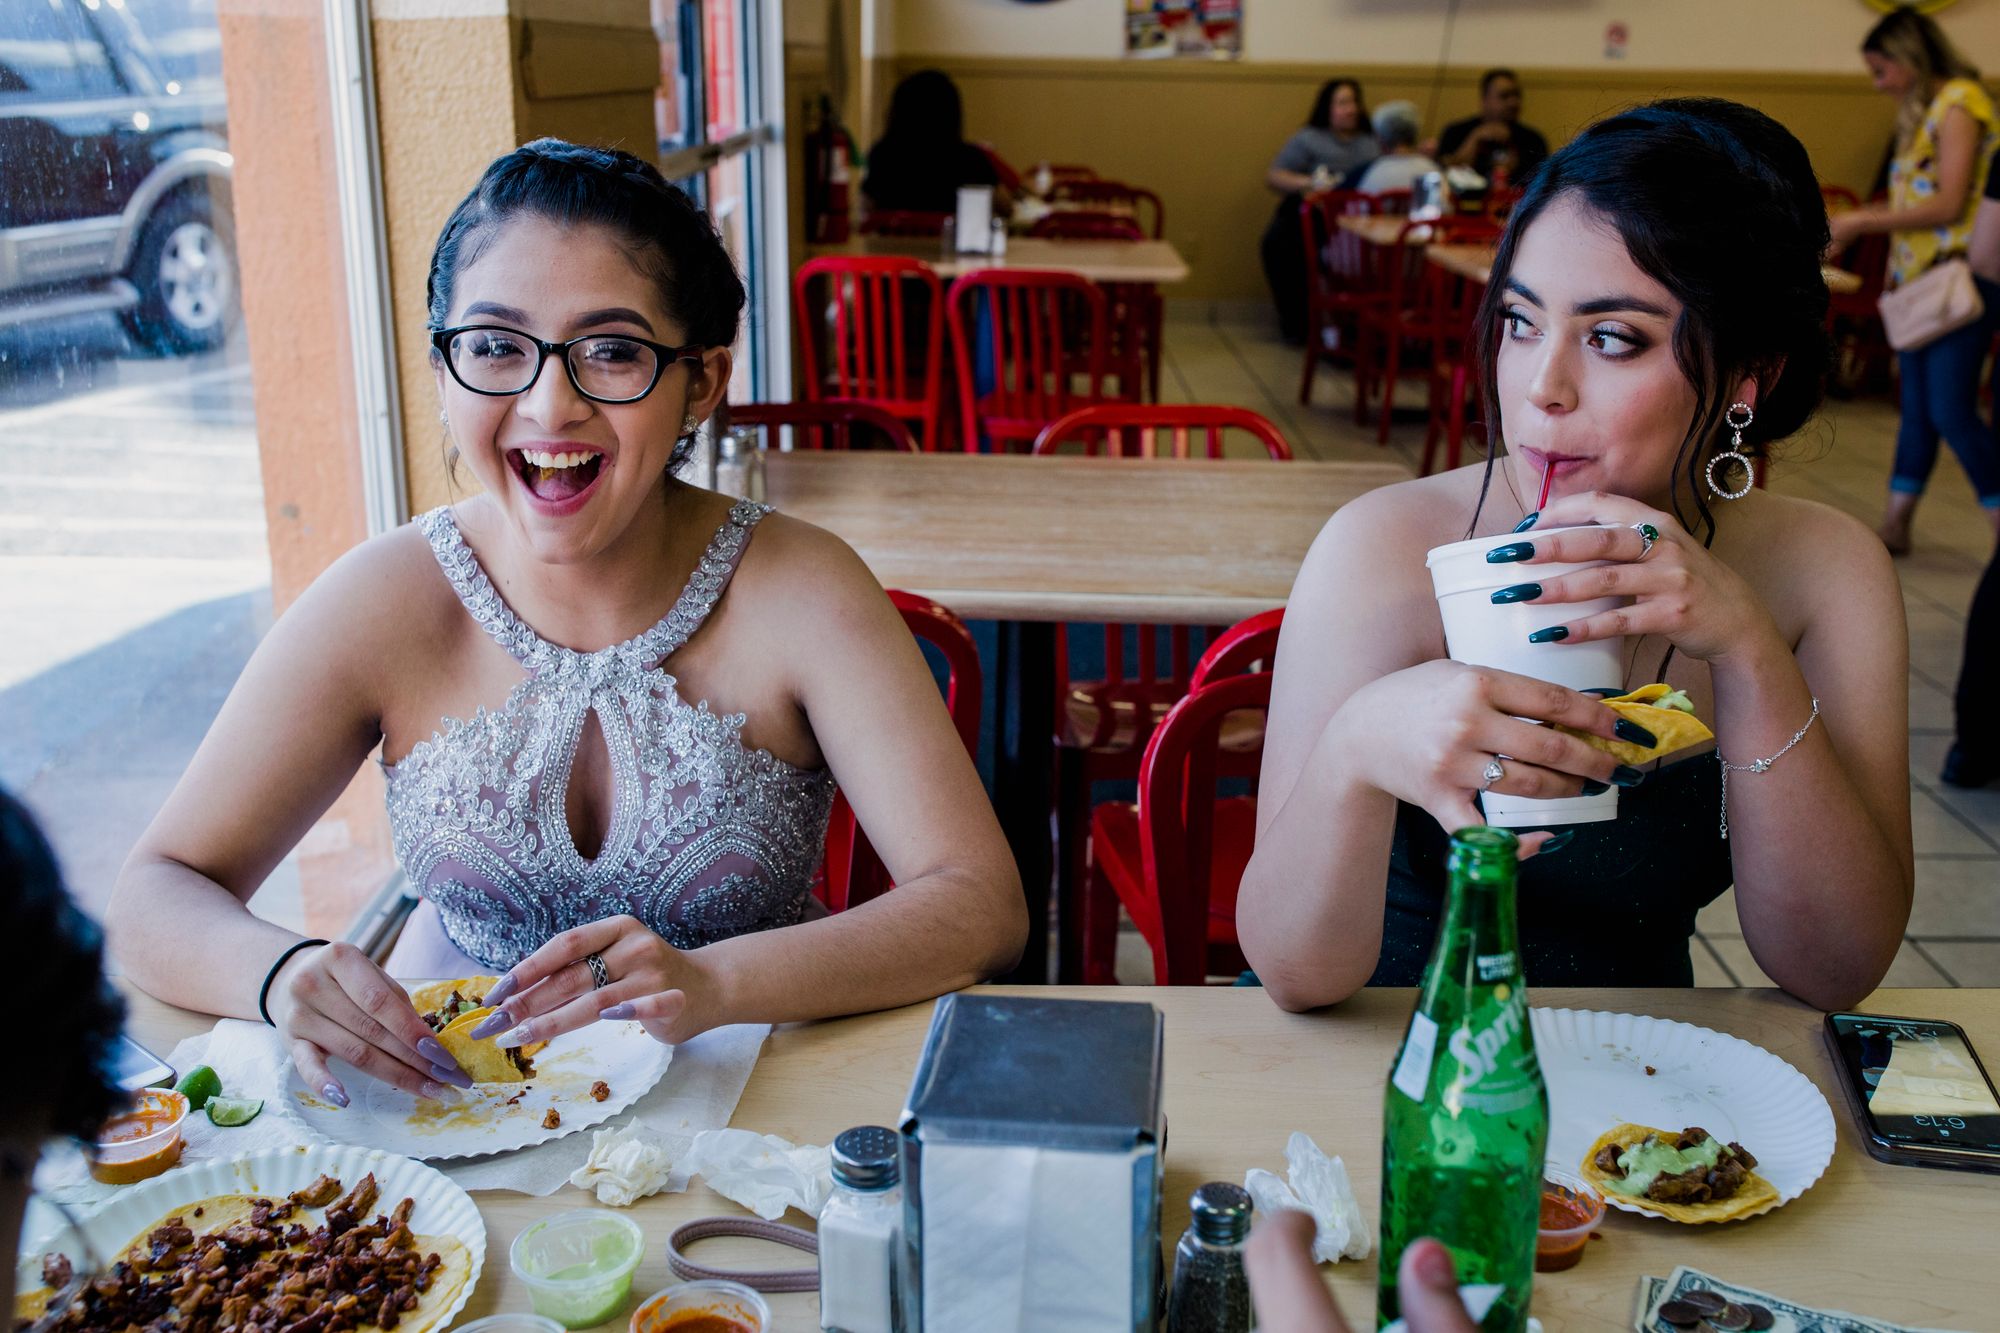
{"points": [[1628, 730], [1592, 787], [1608, 691], [1627, 776], [1517, 592], [1557, 843], [1553, 634], [1527, 522], [1510, 553]]}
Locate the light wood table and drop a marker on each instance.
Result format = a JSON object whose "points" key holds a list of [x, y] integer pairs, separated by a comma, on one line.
{"points": [[1096, 261], [1475, 262], [1379, 228], [1901, 1243]]}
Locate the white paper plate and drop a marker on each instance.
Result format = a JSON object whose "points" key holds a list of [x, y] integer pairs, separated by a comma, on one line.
{"points": [[1595, 1065], [482, 1120], [441, 1209]]}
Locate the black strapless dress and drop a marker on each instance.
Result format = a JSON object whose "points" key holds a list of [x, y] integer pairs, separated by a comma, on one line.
{"points": [[1615, 907]]}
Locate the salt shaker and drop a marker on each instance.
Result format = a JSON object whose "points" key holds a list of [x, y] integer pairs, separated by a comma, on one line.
{"points": [[997, 246], [860, 1235], [1211, 1293], [948, 239], [739, 464]]}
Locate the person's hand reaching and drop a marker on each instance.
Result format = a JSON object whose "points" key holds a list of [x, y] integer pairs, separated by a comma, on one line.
{"points": [[1290, 1298]]}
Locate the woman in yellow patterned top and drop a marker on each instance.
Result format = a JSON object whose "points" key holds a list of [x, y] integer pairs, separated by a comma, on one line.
{"points": [[1946, 133]]}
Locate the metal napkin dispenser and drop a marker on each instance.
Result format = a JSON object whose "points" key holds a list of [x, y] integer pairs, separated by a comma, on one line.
{"points": [[1032, 1156]]}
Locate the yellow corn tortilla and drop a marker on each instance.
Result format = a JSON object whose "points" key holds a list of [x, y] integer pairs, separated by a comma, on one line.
{"points": [[434, 996], [483, 1058], [1676, 730], [225, 1210], [1756, 1196]]}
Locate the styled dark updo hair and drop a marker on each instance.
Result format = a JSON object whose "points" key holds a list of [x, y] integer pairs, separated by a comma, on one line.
{"points": [[667, 235], [1719, 204]]}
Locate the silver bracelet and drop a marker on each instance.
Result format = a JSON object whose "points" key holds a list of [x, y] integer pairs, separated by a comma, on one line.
{"points": [[1758, 765]]}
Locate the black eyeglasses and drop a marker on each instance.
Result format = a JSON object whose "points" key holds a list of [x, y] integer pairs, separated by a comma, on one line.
{"points": [[606, 368]]}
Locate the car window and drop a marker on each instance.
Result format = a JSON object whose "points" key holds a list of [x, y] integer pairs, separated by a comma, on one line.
{"points": [[179, 39], [41, 58]]}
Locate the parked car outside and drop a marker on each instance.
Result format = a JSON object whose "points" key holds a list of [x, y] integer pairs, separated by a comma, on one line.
{"points": [[115, 169]]}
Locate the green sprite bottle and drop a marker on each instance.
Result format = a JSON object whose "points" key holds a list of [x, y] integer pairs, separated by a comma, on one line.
{"points": [[1465, 1124]]}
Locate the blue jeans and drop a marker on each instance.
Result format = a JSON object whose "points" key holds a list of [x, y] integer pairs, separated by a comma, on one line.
{"points": [[1941, 397]]}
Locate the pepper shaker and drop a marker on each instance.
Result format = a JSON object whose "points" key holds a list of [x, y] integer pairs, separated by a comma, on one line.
{"points": [[1211, 1292]]}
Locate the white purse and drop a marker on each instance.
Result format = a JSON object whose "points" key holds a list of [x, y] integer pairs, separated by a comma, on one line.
{"points": [[1943, 299]]}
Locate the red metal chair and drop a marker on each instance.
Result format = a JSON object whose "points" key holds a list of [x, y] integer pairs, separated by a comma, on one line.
{"points": [[1046, 331], [1250, 645], [1141, 201], [853, 873], [903, 222], [1340, 279], [1405, 319], [1141, 430], [1063, 172], [1136, 312], [1453, 302], [833, 423], [1854, 319], [1176, 859], [880, 327]]}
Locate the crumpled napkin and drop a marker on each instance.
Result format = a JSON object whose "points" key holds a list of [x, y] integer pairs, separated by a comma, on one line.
{"points": [[626, 1164], [762, 1172], [1318, 1185]]}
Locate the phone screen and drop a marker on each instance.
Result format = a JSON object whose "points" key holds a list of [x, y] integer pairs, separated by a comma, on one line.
{"points": [[1920, 1081], [138, 1067]]}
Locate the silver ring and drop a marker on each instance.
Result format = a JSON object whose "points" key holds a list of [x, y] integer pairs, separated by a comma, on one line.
{"points": [[1493, 772], [1648, 534], [598, 976]]}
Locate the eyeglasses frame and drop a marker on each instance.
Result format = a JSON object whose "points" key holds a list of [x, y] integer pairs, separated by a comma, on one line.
{"points": [[663, 357]]}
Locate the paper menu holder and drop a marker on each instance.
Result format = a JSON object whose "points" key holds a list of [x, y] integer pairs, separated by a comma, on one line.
{"points": [[973, 223], [1032, 1157]]}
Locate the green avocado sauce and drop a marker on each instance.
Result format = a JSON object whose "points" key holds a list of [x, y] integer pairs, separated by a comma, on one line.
{"points": [[1648, 1161]]}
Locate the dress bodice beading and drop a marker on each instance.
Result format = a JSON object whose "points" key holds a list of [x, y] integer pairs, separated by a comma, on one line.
{"points": [[707, 838]]}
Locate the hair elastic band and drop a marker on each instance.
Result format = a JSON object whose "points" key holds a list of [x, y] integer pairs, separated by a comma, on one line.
{"points": [[264, 991], [785, 1279]]}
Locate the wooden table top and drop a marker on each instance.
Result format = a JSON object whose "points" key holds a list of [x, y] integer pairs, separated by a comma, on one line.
{"points": [[1099, 261], [1377, 228], [1901, 1243], [1476, 262], [1015, 537]]}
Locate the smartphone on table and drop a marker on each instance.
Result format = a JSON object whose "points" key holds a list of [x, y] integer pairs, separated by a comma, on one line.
{"points": [[136, 1067], [1918, 1090]]}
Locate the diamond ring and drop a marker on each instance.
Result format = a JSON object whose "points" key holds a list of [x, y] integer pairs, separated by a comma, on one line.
{"points": [[1648, 534], [1493, 772], [598, 976]]}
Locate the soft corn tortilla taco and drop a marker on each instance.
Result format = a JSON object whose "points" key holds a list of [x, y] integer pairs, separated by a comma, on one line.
{"points": [[1660, 709], [1752, 1195], [453, 1009]]}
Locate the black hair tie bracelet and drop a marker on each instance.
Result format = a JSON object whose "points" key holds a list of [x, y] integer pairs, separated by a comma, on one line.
{"points": [[264, 991], [787, 1279]]}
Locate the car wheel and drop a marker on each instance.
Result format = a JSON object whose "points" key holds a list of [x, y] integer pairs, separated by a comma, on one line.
{"points": [[185, 270]]}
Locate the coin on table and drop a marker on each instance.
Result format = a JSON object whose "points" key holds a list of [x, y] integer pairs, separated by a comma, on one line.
{"points": [[1680, 1314]]}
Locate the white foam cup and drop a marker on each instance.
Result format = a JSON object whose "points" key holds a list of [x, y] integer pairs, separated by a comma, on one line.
{"points": [[1481, 634]]}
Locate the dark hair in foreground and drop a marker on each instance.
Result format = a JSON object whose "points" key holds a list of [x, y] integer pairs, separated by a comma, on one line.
{"points": [[667, 235], [1719, 204], [52, 972], [1322, 111]]}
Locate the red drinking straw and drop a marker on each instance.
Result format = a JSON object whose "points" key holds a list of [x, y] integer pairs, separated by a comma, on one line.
{"points": [[1548, 476]]}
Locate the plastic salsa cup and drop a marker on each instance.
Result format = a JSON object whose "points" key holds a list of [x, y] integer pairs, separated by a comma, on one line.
{"points": [[141, 1141], [511, 1323], [578, 1265], [703, 1307], [1570, 1208]]}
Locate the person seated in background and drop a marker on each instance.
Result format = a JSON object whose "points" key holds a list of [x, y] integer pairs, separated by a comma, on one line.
{"points": [[51, 966], [922, 158], [1401, 165], [1334, 141], [1495, 140]]}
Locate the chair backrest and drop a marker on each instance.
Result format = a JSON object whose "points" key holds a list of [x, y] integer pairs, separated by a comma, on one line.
{"points": [[903, 222], [1020, 357], [1158, 430], [1405, 264], [853, 872], [879, 324], [1335, 261], [832, 423], [1088, 225], [1177, 808], [1143, 203], [1060, 172], [1248, 645]]}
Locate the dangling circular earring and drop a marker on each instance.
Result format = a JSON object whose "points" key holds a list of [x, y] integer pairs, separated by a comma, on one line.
{"points": [[1734, 454], [689, 425]]}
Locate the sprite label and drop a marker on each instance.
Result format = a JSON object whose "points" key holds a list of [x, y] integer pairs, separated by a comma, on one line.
{"points": [[1466, 1114]]}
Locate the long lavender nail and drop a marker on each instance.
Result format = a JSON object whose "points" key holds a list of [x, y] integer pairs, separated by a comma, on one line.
{"points": [[334, 1093], [492, 1025], [432, 1051], [455, 1076], [618, 1011], [502, 989]]}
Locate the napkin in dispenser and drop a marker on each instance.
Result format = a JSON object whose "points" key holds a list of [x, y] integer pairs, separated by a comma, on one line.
{"points": [[1032, 1168]]}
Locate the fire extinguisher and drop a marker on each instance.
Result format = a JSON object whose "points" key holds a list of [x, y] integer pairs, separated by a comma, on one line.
{"points": [[828, 153]]}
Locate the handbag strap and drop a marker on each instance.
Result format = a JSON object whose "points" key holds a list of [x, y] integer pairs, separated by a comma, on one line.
{"points": [[784, 1279]]}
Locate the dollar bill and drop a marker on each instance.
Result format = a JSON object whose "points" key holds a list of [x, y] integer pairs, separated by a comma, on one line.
{"points": [[1787, 1316]]}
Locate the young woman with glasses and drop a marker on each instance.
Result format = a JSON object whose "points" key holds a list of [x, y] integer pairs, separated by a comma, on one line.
{"points": [[610, 706]]}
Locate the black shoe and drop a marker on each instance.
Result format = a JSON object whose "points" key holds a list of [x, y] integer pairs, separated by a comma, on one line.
{"points": [[1963, 768]]}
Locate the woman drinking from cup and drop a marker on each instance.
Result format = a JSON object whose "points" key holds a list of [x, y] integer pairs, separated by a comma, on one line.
{"points": [[610, 705], [1657, 287]]}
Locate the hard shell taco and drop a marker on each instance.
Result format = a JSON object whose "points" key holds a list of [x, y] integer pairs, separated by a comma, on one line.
{"points": [[1691, 1176], [452, 1009], [1660, 709]]}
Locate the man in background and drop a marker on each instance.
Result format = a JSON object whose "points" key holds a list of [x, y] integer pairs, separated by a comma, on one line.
{"points": [[1495, 139]]}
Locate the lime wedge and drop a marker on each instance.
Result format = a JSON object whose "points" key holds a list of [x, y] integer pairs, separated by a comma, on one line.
{"points": [[198, 1085], [229, 1112]]}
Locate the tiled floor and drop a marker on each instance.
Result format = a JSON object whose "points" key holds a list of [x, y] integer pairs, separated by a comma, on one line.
{"points": [[1234, 356]]}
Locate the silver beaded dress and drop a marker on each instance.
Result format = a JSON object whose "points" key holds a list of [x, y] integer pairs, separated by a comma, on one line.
{"points": [[708, 839]]}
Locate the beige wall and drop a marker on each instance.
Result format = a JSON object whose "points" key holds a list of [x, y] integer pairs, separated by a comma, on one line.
{"points": [[1787, 35]]}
